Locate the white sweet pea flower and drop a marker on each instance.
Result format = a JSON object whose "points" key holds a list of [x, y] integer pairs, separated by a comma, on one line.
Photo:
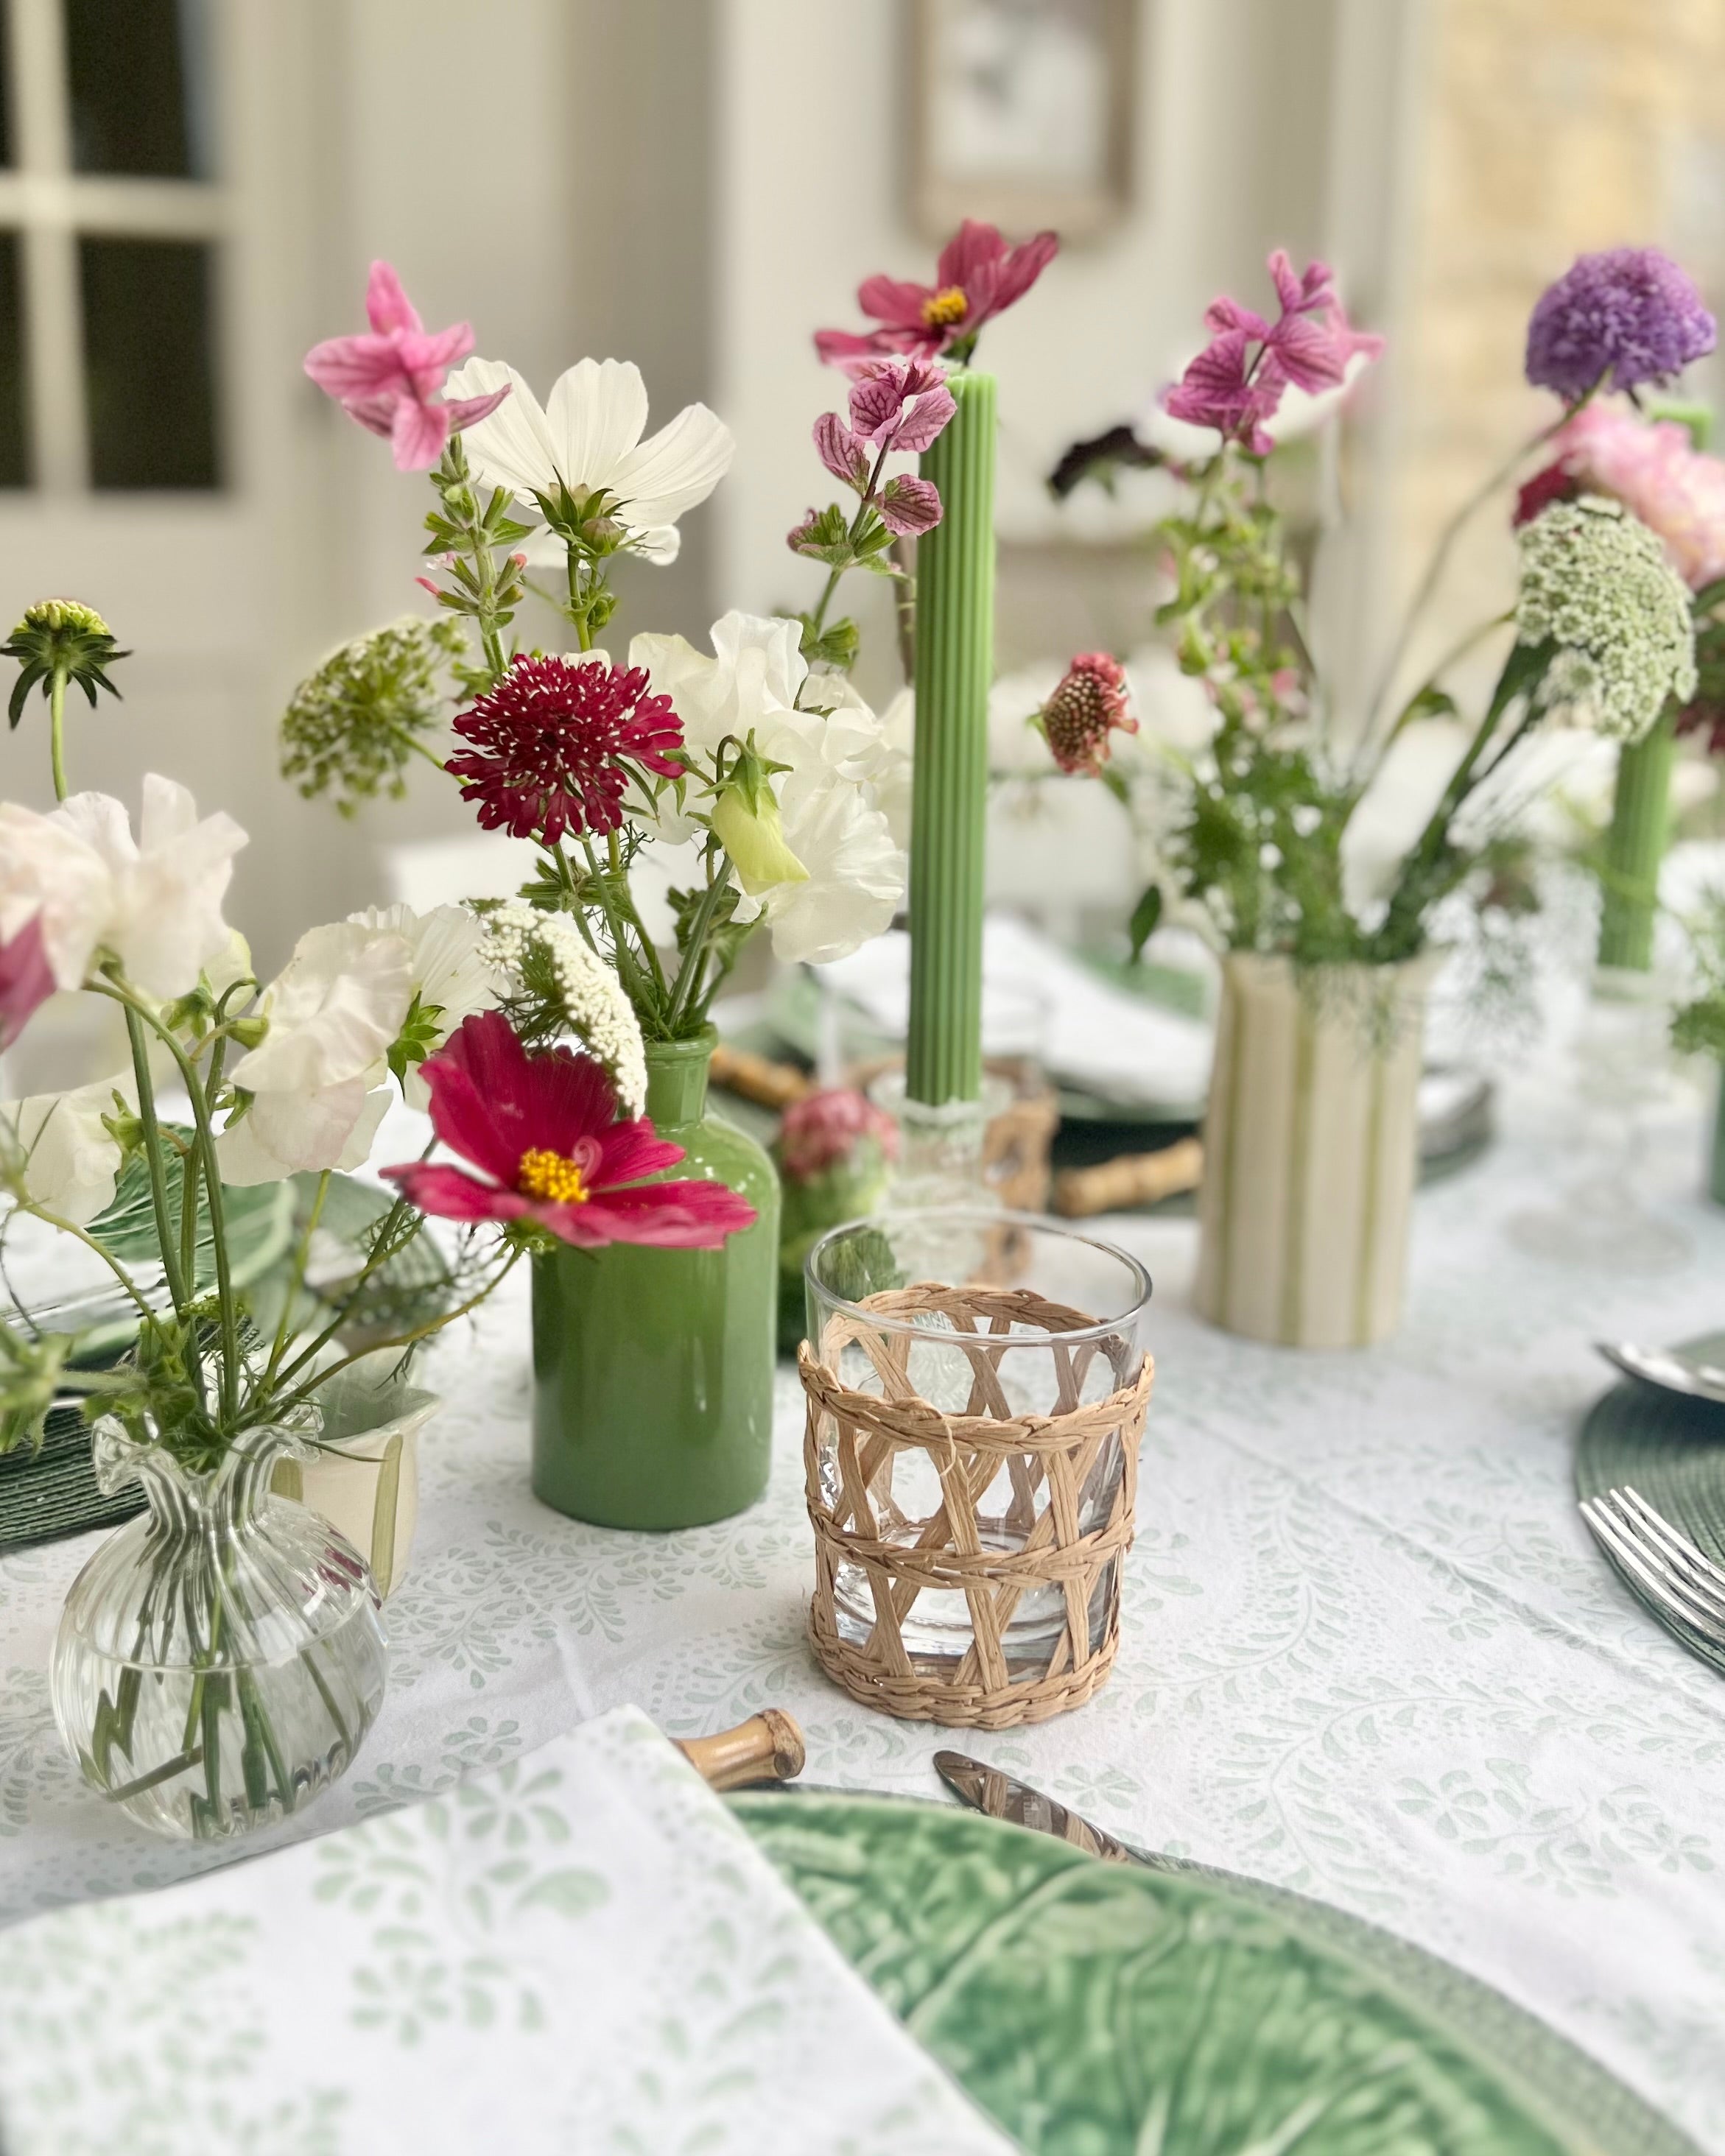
{"points": [[587, 438], [452, 975], [319, 1078], [839, 766], [70, 1162], [154, 902]]}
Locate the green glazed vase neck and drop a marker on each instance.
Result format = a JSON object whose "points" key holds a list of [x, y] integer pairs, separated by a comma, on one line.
{"points": [[677, 1079]]}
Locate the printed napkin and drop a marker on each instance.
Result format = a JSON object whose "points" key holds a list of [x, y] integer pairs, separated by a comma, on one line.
{"points": [[582, 1952]]}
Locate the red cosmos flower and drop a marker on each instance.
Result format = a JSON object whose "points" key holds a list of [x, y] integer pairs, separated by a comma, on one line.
{"points": [[26, 981], [977, 277], [543, 1130], [1089, 705], [556, 741]]}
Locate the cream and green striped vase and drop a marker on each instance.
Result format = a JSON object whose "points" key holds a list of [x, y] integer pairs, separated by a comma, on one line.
{"points": [[1310, 1150]]}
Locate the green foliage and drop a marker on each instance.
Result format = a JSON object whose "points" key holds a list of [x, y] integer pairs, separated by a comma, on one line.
{"points": [[352, 727], [830, 536], [30, 1367], [1146, 915], [836, 646], [420, 1033], [1698, 1029], [63, 640]]}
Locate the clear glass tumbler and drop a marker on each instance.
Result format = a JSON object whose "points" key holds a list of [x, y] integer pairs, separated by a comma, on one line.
{"points": [[976, 1314]]}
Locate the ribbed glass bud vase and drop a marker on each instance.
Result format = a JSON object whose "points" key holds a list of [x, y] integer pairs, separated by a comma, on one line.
{"points": [[219, 1659]]}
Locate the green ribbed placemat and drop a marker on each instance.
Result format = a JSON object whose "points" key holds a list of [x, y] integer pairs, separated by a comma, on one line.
{"points": [[1673, 1451]]}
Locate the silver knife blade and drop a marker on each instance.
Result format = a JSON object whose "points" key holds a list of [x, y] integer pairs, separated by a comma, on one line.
{"points": [[1001, 1796]]}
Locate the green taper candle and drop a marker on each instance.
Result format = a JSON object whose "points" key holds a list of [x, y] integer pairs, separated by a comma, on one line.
{"points": [[955, 664], [1635, 846]]}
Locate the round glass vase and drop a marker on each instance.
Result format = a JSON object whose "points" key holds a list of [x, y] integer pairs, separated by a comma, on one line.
{"points": [[219, 1660], [653, 1368]]}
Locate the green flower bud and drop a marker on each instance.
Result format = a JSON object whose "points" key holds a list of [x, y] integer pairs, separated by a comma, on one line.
{"points": [[60, 641]]}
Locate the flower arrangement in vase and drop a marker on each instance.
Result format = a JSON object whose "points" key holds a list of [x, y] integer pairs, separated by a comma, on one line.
{"points": [[754, 766], [1311, 1132], [218, 1661]]}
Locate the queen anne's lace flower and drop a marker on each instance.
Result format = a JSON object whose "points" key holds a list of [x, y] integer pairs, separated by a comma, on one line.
{"points": [[1598, 583], [592, 997]]}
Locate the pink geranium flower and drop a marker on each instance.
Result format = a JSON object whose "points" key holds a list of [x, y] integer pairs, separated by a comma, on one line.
{"points": [[894, 404], [1235, 384], [1651, 467], [26, 980], [541, 1131], [977, 277], [389, 381]]}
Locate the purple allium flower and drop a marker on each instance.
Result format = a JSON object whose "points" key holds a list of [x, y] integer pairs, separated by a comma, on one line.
{"points": [[1630, 313]]}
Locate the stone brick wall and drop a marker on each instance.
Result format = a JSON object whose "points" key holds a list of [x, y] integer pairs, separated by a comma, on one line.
{"points": [[1551, 127]]}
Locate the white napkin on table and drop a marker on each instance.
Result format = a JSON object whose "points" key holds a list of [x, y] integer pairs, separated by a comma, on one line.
{"points": [[582, 1952]]}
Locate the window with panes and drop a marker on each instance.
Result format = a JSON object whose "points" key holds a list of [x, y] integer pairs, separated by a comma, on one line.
{"points": [[111, 219]]}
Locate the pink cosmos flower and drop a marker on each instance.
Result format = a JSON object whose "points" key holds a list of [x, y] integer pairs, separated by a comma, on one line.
{"points": [[389, 381], [977, 277], [542, 1131], [1236, 383], [1650, 467], [26, 980]]}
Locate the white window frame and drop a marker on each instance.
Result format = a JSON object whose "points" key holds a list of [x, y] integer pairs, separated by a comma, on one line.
{"points": [[51, 207]]}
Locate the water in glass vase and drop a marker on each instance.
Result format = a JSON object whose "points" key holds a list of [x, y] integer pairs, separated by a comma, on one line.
{"points": [[219, 1659]]}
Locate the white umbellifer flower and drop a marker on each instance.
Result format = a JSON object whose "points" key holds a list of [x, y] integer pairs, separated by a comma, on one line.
{"points": [[319, 1078], [70, 1161], [1599, 583], [451, 974], [591, 995], [154, 902], [841, 765], [587, 438]]}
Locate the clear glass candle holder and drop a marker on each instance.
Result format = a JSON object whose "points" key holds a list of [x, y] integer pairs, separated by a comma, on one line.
{"points": [[977, 1382]]}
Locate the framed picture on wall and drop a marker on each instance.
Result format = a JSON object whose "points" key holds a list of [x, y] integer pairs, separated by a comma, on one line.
{"points": [[1022, 113]]}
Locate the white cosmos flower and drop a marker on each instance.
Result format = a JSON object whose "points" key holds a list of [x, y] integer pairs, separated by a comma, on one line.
{"points": [[70, 1161], [319, 1078], [840, 765], [154, 901], [451, 974], [588, 437]]}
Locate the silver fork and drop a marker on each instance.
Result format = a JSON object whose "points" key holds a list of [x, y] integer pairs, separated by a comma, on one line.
{"points": [[1667, 1565]]}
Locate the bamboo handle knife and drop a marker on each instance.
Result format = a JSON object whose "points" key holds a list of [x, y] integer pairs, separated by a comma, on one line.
{"points": [[767, 1747]]}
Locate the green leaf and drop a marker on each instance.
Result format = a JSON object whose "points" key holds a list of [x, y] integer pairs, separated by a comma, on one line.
{"points": [[1146, 915], [837, 646]]}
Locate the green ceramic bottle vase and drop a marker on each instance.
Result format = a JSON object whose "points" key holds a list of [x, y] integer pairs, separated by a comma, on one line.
{"points": [[653, 1369]]}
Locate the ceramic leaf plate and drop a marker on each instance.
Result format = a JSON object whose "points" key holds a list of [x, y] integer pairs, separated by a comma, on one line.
{"points": [[1111, 2010], [1673, 1450]]}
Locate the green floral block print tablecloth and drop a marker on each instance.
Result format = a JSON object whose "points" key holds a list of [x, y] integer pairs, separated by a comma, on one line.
{"points": [[1370, 1653]]}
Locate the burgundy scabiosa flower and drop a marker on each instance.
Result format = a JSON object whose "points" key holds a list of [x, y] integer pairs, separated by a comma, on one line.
{"points": [[543, 1133], [1625, 316], [1088, 706], [977, 277], [556, 741]]}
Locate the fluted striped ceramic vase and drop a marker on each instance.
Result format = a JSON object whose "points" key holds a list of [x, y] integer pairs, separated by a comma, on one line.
{"points": [[1311, 1148]]}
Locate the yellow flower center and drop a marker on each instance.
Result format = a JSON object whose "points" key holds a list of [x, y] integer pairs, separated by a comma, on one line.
{"points": [[944, 307], [553, 1175]]}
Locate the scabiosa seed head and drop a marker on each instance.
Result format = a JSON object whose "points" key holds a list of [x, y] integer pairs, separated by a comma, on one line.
{"points": [[60, 639], [1086, 708], [1625, 316], [555, 742]]}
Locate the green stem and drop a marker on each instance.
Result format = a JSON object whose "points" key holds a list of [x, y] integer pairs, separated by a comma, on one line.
{"points": [[165, 1236], [65, 1227], [402, 1339], [852, 535], [418, 748], [57, 731], [296, 1278], [700, 929]]}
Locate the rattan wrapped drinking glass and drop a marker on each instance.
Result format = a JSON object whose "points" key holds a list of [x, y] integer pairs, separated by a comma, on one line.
{"points": [[976, 1387]]}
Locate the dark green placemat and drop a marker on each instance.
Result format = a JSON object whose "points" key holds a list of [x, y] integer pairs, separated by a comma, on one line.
{"points": [[1673, 1450], [1108, 2009]]}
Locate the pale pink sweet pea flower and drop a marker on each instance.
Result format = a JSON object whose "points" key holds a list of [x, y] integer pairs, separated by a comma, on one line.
{"points": [[389, 381], [1654, 470], [26, 980]]}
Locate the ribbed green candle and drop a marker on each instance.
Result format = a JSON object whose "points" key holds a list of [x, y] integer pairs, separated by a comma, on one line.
{"points": [[1635, 847], [955, 664]]}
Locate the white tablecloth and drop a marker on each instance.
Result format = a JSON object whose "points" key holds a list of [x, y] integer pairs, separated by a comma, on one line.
{"points": [[1370, 1652]]}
